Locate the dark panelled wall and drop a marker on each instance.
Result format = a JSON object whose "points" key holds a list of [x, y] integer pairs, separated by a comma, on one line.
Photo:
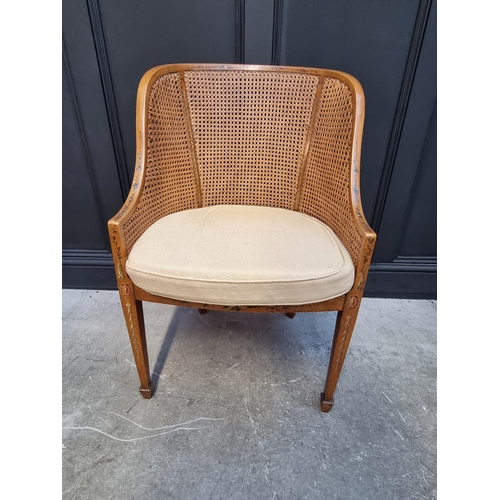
{"points": [[389, 45]]}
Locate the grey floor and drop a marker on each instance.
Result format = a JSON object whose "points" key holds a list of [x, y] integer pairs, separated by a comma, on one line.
{"points": [[236, 412]]}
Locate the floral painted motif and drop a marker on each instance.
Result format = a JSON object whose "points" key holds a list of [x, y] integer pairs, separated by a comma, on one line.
{"points": [[342, 344], [133, 335]]}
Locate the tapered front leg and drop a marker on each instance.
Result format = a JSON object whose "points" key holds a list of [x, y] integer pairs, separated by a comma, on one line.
{"points": [[134, 318], [344, 327], [132, 308]]}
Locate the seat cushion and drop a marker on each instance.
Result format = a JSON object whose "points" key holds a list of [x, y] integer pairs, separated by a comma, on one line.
{"points": [[241, 255]]}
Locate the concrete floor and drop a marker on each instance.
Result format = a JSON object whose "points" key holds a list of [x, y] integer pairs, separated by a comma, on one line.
{"points": [[236, 412]]}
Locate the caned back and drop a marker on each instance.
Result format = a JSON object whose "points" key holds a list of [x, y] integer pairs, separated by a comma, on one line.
{"points": [[169, 177], [269, 136], [250, 131], [326, 192]]}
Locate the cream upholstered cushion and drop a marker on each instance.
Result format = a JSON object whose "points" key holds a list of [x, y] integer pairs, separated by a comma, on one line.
{"points": [[241, 255]]}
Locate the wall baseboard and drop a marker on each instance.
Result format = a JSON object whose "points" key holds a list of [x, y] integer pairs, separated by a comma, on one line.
{"points": [[405, 278], [88, 270]]}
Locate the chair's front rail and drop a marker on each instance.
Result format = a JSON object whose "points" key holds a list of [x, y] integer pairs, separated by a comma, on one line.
{"points": [[352, 227], [335, 304]]}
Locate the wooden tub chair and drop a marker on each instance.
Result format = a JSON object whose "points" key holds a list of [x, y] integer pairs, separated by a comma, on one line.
{"points": [[246, 198]]}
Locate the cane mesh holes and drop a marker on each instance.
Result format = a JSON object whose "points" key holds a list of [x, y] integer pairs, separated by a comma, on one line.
{"points": [[326, 187], [249, 129], [170, 183]]}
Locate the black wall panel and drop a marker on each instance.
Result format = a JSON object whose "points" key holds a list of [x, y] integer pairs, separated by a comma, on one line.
{"points": [[259, 21], [82, 225], [411, 197], [92, 188], [389, 45], [141, 35], [407, 228], [369, 40], [420, 236]]}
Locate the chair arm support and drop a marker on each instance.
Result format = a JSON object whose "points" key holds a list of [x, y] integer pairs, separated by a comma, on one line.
{"points": [[119, 244], [160, 186], [366, 233], [116, 226], [362, 264]]}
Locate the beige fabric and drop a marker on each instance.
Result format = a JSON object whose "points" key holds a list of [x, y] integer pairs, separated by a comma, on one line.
{"points": [[241, 255]]}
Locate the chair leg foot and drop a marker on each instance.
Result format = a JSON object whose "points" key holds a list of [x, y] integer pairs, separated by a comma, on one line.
{"points": [[290, 315], [202, 311], [134, 319], [146, 393], [344, 327], [326, 406]]}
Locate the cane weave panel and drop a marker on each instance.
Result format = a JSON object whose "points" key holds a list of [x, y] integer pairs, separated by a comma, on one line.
{"points": [[249, 130], [170, 182], [326, 186]]}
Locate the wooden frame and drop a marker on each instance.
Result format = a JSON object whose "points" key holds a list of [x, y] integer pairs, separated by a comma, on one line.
{"points": [[348, 305]]}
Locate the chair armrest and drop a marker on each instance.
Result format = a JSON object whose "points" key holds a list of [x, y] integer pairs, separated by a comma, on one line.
{"points": [[367, 235], [120, 246], [163, 183], [330, 190], [121, 242]]}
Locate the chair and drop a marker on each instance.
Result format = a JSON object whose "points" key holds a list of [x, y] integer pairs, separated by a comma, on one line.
{"points": [[246, 198]]}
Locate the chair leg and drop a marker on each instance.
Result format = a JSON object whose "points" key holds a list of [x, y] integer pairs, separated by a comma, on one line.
{"points": [[134, 318], [344, 327]]}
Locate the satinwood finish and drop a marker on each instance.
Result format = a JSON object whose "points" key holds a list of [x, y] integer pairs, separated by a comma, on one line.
{"points": [[317, 115]]}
